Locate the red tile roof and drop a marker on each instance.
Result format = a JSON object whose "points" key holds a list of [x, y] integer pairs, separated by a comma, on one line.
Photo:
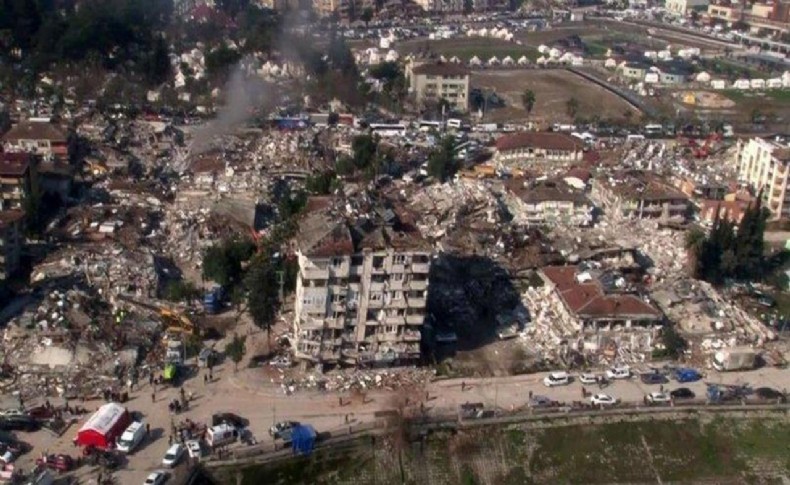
{"points": [[10, 216], [544, 140], [14, 164], [589, 301], [35, 130]]}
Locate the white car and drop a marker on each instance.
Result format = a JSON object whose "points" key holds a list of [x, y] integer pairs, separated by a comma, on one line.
{"points": [[556, 379], [588, 378], [602, 400], [155, 478], [618, 373], [658, 398], [193, 448], [173, 455]]}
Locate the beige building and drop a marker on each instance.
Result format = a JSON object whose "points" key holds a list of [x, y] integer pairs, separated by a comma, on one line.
{"points": [[550, 203], [11, 240], [538, 150], [763, 164], [684, 7], [640, 195], [434, 81], [361, 292]]}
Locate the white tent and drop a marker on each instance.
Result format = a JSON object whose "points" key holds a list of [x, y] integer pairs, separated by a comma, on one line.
{"points": [[442, 59], [471, 33], [475, 61], [508, 61], [483, 32], [741, 84], [392, 56], [577, 61], [651, 78], [786, 79], [543, 49], [494, 61], [554, 52], [651, 54], [664, 55], [523, 61], [566, 57], [757, 83], [774, 83], [610, 63], [703, 77], [541, 60], [718, 84], [455, 60]]}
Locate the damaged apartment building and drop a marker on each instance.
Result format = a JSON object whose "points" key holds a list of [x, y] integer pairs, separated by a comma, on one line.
{"points": [[361, 290], [642, 195]]}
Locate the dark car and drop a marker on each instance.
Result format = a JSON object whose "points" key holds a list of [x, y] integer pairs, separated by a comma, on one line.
{"points": [[230, 418], [19, 423], [769, 394], [682, 393], [654, 378]]}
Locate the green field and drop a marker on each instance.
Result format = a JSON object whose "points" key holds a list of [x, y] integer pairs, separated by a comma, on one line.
{"points": [[775, 95], [466, 48], [685, 451]]}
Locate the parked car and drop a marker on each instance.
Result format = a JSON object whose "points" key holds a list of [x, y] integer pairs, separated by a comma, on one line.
{"points": [[687, 375], [653, 378], [279, 428], [61, 463], [173, 455], [542, 402], [194, 449], [618, 373], [155, 478], [588, 378], [602, 400], [682, 393], [557, 379], [19, 423], [658, 398], [769, 394]]}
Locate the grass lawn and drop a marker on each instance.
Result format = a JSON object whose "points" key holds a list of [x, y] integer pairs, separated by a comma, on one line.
{"points": [[777, 95]]}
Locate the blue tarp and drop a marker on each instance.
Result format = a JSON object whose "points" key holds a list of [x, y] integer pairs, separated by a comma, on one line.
{"points": [[303, 439], [687, 375]]}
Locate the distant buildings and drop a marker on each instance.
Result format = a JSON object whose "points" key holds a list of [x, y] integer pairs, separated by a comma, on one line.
{"points": [[538, 150], [684, 7], [431, 82], [774, 16], [638, 194], [38, 138], [361, 291], [11, 240], [763, 164]]}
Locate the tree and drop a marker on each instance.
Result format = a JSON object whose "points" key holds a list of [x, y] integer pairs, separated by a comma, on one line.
{"points": [[222, 262], [442, 163], [235, 350], [262, 283], [364, 148], [180, 290], [528, 100], [158, 65], [572, 107], [366, 16], [674, 343]]}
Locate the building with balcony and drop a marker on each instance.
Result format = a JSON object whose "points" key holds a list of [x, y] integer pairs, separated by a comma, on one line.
{"points": [[37, 138], [11, 241], [538, 150], [764, 166], [765, 16], [639, 194], [550, 203], [361, 291], [684, 7], [435, 81], [18, 179]]}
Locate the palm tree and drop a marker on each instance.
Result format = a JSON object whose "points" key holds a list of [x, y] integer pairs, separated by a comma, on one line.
{"points": [[528, 100]]}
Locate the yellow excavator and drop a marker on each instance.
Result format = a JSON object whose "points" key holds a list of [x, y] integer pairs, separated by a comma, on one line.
{"points": [[177, 323]]}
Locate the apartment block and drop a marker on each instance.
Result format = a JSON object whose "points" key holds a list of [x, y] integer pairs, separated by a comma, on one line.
{"points": [[550, 203], [641, 195], [17, 179], [764, 165], [361, 292], [431, 82], [40, 138], [11, 240]]}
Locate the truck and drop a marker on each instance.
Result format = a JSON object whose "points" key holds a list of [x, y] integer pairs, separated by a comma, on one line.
{"points": [[736, 358], [212, 300]]}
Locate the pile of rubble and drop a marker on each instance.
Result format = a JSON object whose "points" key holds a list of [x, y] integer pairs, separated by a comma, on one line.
{"points": [[359, 380]]}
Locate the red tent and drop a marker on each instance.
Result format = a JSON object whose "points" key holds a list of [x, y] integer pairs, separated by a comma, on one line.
{"points": [[106, 424]]}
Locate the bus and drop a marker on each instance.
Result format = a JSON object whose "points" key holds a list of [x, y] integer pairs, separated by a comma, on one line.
{"points": [[388, 129], [653, 130], [425, 125]]}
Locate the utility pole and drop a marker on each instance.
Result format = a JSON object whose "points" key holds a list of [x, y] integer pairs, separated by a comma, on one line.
{"points": [[281, 282]]}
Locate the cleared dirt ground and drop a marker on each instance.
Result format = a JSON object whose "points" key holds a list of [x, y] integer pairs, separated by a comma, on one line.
{"points": [[553, 88], [466, 48]]}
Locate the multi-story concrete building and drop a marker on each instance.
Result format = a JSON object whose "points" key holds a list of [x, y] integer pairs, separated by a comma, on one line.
{"points": [[361, 292], [684, 7], [538, 150], [17, 179], [765, 16], [550, 203], [638, 194], [11, 241], [431, 82], [765, 165], [37, 138]]}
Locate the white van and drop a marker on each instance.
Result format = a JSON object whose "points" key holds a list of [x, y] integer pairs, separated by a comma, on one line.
{"points": [[221, 434], [132, 437]]}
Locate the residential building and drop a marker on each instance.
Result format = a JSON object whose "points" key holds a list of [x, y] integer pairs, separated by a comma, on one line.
{"points": [[550, 203], [758, 16], [11, 241], [538, 150], [684, 7], [433, 81], [599, 301], [361, 291], [634, 71], [17, 179], [763, 165], [38, 138], [639, 194], [729, 210]]}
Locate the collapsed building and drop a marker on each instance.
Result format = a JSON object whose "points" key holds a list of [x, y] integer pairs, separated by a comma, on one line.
{"points": [[642, 195], [549, 202], [361, 290]]}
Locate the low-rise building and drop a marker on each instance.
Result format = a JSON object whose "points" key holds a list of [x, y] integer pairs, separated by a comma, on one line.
{"points": [[432, 81], [725, 210], [11, 241], [37, 138], [764, 165], [361, 291], [551, 202], [538, 150], [596, 301], [17, 179], [633, 71], [684, 7], [639, 194]]}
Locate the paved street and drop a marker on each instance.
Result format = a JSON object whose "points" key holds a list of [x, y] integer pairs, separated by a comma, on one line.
{"points": [[251, 395]]}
